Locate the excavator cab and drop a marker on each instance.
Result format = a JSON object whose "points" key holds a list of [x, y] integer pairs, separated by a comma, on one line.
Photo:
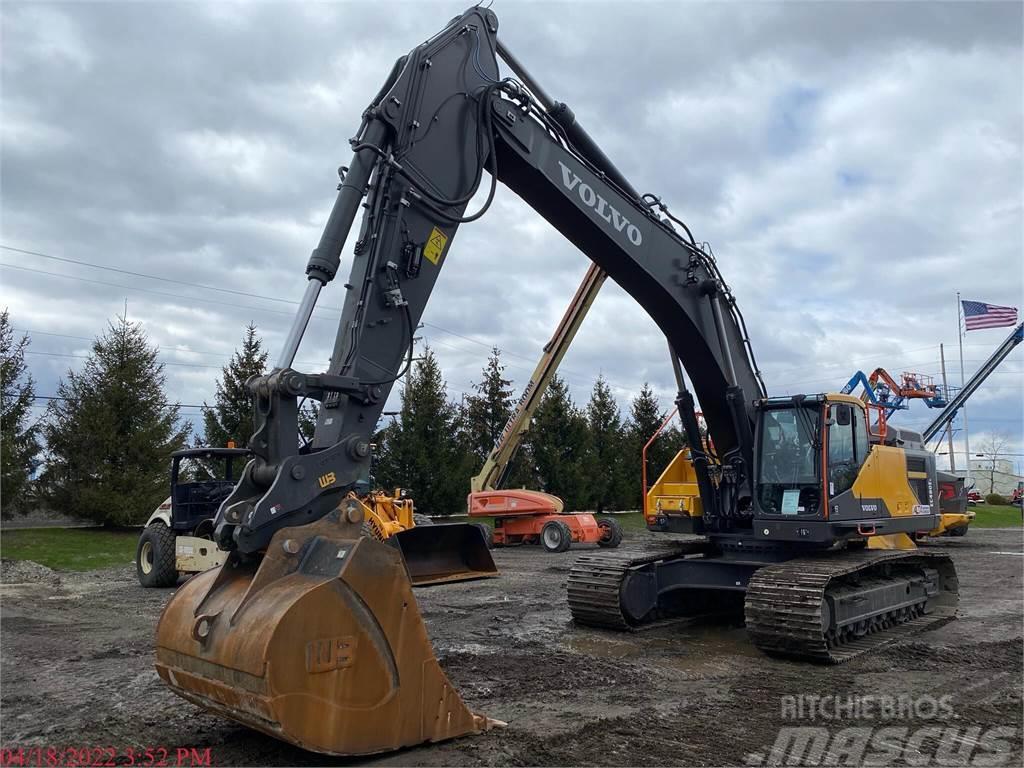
{"points": [[789, 467], [825, 471]]}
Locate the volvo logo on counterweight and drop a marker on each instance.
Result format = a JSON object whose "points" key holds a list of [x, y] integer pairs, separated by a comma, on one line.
{"points": [[593, 200]]}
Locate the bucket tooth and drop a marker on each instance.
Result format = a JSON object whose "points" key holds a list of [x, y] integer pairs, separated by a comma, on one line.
{"points": [[319, 643]]}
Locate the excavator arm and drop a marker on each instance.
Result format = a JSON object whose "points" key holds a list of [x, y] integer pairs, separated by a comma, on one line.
{"points": [[443, 118]]}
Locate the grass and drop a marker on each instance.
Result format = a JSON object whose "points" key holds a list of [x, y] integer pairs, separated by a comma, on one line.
{"points": [[630, 521], [988, 516], [996, 516], [86, 549], [70, 549]]}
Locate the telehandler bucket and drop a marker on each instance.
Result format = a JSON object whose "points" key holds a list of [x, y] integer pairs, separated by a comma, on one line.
{"points": [[319, 643], [436, 554]]}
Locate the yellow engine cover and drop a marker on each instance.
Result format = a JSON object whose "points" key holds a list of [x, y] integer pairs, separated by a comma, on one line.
{"points": [[675, 492]]}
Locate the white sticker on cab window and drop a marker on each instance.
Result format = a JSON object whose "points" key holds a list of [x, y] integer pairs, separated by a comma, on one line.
{"points": [[790, 501]]}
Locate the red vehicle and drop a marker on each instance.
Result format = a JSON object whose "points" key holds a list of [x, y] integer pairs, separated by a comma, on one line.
{"points": [[1018, 495], [974, 497]]}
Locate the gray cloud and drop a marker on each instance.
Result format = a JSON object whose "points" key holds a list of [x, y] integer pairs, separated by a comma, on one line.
{"points": [[853, 165]]}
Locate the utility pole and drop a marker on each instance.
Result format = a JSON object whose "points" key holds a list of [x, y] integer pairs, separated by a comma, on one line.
{"points": [[949, 427], [963, 383]]}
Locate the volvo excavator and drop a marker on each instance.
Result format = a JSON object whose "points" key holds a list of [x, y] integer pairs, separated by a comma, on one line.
{"points": [[310, 632]]}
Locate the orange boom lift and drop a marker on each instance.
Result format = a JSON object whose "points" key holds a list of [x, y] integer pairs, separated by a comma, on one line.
{"points": [[533, 517]]}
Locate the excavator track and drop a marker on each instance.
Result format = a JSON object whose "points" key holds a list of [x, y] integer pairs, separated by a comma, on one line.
{"points": [[787, 603], [596, 581]]}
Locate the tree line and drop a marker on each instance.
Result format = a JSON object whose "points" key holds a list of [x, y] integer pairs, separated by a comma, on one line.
{"points": [[589, 456], [101, 449]]}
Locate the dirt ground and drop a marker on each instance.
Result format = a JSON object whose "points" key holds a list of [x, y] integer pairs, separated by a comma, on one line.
{"points": [[77, 670]]}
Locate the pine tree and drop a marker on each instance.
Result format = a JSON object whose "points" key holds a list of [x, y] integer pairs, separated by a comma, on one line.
{"points": [[487, 412], [19, 438], [110, 435], [420, 451], [606, 462], [646, 415], [308, 414], [231, 417], [558, 446]]}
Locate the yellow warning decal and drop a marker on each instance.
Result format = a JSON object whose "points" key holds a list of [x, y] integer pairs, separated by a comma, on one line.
{"points": [[435, 245]]}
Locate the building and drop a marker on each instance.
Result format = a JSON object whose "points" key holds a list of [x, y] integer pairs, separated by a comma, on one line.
{"points": [[995, 476]]}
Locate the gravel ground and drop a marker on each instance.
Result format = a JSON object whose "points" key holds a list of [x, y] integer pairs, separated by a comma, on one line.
{"points": [[77, 671]]}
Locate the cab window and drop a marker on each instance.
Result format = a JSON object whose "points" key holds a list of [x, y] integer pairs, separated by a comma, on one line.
{"points": [[842, 460], [860, 438]]}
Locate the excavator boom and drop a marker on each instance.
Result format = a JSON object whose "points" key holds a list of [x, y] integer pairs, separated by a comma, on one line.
{"points": [[418, 171]]}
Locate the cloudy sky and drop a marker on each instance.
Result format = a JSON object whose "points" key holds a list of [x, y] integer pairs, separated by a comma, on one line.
{"points": [[854, 165]]}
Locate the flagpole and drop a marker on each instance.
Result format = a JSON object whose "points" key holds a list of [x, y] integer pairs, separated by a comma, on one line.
{"points": [[963, 383]]}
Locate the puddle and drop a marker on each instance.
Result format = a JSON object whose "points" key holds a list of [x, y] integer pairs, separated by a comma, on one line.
{"points": [[473, 648], [21, 590]]}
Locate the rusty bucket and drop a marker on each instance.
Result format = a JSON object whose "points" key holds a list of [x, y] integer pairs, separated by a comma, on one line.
{"points": [[319, 642]]}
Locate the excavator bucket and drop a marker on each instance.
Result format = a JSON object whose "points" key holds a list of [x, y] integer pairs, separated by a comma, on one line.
{"points": [[319, 643], [438, 554]]}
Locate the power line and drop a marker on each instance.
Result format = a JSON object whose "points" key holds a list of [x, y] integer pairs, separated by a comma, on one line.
{"points": [[90, 338], [566, 372], [224, 304], [161, 346], [59, 397], [67, 260], [86, 357], [198, 285], [146, 290]]}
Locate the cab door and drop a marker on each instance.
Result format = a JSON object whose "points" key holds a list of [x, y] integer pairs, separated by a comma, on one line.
{"points": [[846, 455]]}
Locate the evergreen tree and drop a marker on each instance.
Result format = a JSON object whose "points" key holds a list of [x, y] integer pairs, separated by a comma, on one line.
{"points": [[308, 414], [606, 462], [646, 415], [19, 438], [558, 446], [486, 413], [420, 450], [110, 435], [231, 417]]}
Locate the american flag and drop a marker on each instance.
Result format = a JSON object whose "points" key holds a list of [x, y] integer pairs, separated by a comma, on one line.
{"points": [[978, 315]]}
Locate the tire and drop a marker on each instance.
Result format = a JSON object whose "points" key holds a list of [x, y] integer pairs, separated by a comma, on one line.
{"points": [[155, 558], [960, 530], [611, 533], [367, 530], [419, 519], [487, 533], [555, 536]]}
